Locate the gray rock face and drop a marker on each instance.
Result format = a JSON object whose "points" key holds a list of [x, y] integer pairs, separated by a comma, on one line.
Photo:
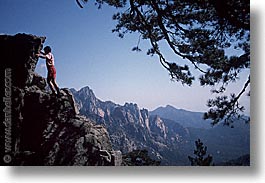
{"points": [[47, 129], [131, 128]]}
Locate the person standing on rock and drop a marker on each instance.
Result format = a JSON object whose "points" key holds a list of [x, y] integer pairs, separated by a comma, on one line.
{"points": [[47, 54]]}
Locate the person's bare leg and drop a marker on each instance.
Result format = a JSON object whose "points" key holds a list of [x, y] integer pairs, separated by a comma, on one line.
{"points": [[55, 86], [51, 86]]}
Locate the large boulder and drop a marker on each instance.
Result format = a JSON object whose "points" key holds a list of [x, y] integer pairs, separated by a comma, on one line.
{"points": [[19, 54]]}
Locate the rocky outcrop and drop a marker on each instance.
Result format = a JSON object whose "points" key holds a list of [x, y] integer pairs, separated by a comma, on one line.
{"points": [[46, 129], [19, 54]]}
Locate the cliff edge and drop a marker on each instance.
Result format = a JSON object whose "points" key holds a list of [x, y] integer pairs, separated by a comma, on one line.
{"points": [[38, 128]]}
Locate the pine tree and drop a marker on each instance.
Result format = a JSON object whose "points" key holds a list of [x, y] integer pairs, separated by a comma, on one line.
{"points": [[200, 153]]}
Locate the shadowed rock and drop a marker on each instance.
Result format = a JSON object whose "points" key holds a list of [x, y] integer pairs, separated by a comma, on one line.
{"points": [[46, 129]]}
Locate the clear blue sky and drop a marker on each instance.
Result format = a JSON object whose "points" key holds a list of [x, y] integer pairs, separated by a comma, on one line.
{"points": [[87, 53]]}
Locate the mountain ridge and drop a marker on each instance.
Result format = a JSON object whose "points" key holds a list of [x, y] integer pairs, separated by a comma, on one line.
{"points": [[184, 117], [168, 109], [167, 140]]}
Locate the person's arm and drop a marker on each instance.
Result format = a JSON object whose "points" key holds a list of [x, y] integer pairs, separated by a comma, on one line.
{"points": [[41, 55]]}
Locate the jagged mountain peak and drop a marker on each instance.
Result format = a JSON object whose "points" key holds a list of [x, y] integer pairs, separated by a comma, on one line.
{"points": [[73, 90], [85, 88], [86, 91], [131, 105]]}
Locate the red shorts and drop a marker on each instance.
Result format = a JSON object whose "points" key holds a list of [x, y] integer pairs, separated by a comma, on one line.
{"points": [[51, 72]]}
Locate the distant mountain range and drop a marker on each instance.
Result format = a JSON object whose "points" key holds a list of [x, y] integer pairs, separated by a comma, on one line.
{"points": [[183, 117], [167, 133]]}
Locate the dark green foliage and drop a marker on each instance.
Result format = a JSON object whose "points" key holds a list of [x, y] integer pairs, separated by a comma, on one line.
{"points": [[226, 108], [197, 31], [138, 158], [200, 153]]}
